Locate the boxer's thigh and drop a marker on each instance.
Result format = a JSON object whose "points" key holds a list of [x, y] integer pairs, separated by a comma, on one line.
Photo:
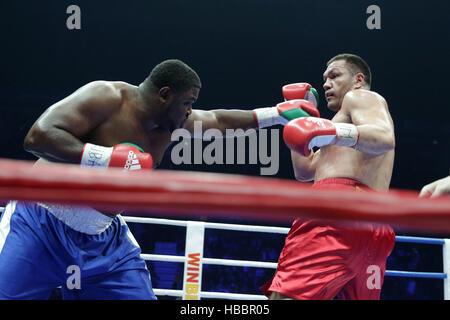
{"points": [[27, 268]]}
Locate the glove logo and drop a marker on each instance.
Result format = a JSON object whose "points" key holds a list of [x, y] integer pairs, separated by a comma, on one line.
{"points": [[318, 122], [132, 162]]}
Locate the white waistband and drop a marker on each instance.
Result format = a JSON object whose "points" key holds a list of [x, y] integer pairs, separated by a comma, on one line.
{"points": [[80, 218]]}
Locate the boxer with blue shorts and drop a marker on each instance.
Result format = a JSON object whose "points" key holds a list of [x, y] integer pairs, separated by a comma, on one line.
{"points": [[88, 254]]}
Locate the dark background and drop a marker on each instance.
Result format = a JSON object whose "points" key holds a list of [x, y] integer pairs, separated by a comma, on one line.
{"points": [[244, 52]]}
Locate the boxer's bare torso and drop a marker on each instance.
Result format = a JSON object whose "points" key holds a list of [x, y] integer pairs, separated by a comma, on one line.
{"points": [[124, 125], [102, 113], [374, 170], [371, 162], [109, 113]]}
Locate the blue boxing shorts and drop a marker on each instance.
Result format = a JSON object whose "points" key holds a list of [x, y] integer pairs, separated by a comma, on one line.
{"points": [[88, 254]]}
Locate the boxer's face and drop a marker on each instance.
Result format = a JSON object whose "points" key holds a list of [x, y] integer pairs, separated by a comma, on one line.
{"points": [[180, 107], [338, 80]]}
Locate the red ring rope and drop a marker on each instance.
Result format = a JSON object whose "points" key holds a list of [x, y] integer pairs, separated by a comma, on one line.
{"points": [[213, 194]]}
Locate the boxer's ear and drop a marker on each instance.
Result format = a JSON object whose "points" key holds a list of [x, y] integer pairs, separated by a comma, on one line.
{"points": [[360, 80], [165, 94]]}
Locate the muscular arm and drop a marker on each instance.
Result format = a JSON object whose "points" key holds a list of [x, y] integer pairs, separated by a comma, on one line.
{"points": [[56, 135], [222, 119], [369, 113]]}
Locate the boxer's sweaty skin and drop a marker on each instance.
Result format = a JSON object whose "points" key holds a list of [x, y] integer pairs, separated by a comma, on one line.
{"points": [[371, 161], [102, 113], [372, 169], [109, 113]]}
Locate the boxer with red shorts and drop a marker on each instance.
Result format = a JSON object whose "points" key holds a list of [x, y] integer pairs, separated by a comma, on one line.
{"points": [[325, 259], [322, 259]]}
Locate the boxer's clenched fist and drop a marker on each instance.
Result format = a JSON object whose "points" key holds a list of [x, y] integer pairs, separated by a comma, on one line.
{"points": [[301, 135], [300, 101], [301, 90]]}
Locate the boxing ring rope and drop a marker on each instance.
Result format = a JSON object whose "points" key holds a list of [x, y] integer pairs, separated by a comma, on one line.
{"points": [[175, 193], [181, 193], [272, 265], [445, 243]]}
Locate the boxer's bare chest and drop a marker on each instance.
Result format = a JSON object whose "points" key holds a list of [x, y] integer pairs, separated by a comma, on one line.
{"points": [[374, 171]]}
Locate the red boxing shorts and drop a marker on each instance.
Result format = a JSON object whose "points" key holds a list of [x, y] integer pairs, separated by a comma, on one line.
{"points": [[322, 259]]}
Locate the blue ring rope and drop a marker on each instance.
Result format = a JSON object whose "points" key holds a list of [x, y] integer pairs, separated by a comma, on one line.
{"points": [[413, 274], [419, 240]]}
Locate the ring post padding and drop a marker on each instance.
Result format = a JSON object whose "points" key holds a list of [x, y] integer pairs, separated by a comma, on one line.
{"points": [[192, 278], [446, 262]]}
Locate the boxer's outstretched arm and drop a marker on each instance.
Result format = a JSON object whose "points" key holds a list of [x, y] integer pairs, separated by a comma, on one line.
{"points": [[369, 113], [56, 135], [258, 118], [221, 119]]}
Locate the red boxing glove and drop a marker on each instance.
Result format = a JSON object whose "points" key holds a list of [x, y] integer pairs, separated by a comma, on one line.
{"points": [[294, 109], [302, 134], [125, 155], [130, 157], [301, 90]]}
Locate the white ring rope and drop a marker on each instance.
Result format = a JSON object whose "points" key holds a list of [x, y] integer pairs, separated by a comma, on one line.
{"points": [[211, 295], [272, 265], [210, 225], [213, 261]]}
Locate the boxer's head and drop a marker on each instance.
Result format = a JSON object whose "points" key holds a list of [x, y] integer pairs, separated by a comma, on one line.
{"points": [[345, 72], [175, 87]]}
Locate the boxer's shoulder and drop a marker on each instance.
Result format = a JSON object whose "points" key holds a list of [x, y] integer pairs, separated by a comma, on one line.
{"points": [[360, 95], [121, 87], [361, 98], [107, 88], [105, 95]]}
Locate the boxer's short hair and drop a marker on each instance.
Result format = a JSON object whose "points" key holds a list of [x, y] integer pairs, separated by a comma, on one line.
{"points": [[174, 74], [356, 64]]}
